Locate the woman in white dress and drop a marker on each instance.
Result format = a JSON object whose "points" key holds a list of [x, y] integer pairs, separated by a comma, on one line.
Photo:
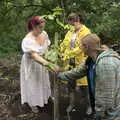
{"points": [[35, 84]]}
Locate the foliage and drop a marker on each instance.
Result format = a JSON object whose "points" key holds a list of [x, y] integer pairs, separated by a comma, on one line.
{"points": [[101, 16], [52, 54]]}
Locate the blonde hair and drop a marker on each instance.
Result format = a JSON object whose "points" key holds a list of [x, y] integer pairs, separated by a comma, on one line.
{"points": [[93, 40]]}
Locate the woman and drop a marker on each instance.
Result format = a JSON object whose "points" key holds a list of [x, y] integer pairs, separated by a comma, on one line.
{"points": [[72, 54], [35, 84]]}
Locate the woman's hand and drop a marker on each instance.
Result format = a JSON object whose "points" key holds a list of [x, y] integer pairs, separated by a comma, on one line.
{"points": [[53, 67]]}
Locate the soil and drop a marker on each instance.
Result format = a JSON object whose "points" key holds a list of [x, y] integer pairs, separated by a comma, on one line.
{"points": [[10, 104]]}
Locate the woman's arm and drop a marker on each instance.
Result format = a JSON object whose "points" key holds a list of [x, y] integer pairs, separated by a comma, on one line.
{"points": [[38, 58], [46, 63]]}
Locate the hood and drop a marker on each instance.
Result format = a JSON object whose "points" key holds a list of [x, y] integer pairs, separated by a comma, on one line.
{"points": [[107, 53]]}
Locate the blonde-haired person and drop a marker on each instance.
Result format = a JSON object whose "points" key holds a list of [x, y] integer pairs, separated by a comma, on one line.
{"points": [[105, 77], [72, 54], [34, 77]]}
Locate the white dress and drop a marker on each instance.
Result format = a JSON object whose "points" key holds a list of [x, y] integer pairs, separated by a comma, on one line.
{"points": [[35, 84]]}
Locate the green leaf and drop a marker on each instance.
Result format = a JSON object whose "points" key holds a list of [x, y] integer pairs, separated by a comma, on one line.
{"points": [[52, 55], [50, 17]]}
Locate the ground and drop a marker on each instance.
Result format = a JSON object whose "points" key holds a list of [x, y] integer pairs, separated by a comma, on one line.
{"points": [[10, 105]]}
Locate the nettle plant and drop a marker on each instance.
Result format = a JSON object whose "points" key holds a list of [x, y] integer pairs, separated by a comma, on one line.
{"points": [[53, 53]]}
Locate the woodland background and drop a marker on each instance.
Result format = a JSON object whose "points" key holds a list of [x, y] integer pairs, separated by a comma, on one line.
{"points": [[101, 16]]}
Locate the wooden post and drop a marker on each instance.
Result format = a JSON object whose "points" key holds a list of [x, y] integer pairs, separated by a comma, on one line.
{"points": [[56, 86]]}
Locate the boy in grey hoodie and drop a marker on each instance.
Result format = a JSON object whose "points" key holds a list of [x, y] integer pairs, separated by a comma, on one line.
{"points": [[106, 77]]}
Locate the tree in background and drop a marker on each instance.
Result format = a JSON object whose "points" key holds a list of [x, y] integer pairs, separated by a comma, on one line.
{"points": [[102, 17]]}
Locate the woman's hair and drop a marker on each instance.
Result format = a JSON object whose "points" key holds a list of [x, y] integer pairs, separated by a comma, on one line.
{"points": [[34, 21], [75, 17]]}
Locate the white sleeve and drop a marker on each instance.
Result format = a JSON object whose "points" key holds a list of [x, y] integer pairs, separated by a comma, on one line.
{"points": [[29, 45], [47, 38]]}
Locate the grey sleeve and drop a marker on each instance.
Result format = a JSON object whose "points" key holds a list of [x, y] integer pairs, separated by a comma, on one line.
{"points": [[74, 74]]}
